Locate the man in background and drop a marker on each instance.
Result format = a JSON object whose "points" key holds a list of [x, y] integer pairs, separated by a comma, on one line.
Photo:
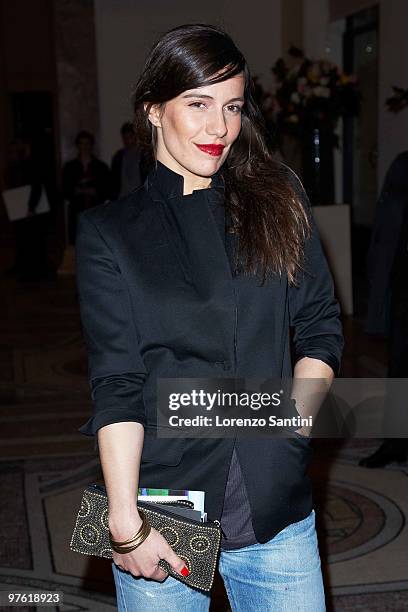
{"points": [[29, 163], [127, 171], [388, 304], [85, 181]]}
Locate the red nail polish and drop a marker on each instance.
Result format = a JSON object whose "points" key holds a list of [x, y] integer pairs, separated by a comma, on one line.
{"points": [[185, 572]]}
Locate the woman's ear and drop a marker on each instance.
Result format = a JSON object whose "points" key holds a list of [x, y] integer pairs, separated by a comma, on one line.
{"points": [[155, 115]]}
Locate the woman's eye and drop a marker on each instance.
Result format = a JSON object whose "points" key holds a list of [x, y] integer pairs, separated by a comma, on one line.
{"points": [[235, 108], [197, 104]]}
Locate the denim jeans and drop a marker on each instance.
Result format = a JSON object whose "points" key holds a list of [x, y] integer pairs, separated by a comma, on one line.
{"points": [[283, 574]]}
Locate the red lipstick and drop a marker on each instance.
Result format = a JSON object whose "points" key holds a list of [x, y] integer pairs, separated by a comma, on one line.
{"points": [[211, 149]]}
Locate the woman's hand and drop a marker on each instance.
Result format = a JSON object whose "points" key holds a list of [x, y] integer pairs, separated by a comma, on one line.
{"points": [[143, 560], [120, 448]]}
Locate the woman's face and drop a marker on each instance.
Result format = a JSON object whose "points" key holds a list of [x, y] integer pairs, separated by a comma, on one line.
{"points": [[195, 130]]}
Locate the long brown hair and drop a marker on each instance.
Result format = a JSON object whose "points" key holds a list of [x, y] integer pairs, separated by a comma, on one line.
{"points": [[263, 201]]}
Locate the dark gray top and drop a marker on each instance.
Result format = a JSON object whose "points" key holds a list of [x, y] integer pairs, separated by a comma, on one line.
{"points": [[236, 522]]}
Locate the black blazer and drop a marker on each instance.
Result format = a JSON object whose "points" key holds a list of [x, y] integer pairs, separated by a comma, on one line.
{"points": [[158, 299]]}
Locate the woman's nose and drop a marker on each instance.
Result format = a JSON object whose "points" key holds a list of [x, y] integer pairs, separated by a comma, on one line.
{"points": [[217, 125]]}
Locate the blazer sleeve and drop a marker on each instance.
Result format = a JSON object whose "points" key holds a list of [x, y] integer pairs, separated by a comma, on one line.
{"points": [[314, 311], [116, 370]]}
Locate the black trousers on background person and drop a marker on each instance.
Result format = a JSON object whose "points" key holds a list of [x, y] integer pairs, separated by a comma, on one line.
{"points": [[75, 207], [398, 341], [398, 367], [396, 411], [31, 259], [387, 264]]}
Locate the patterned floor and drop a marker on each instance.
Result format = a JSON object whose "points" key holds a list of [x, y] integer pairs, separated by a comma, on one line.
{"points": [[45, 462]]}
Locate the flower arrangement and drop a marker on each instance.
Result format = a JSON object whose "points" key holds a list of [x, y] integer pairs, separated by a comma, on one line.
{"points": [[398, 101], [311, 93]]}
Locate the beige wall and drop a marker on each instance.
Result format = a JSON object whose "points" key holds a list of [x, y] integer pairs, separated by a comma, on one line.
{"points": [[126, 29], [291, 24], [342, 8], [315, 23]]}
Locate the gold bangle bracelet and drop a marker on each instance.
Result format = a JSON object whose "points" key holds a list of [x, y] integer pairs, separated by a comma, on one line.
{"points": [[132, 539], [141, 537], [129, 545], [123, 550]]}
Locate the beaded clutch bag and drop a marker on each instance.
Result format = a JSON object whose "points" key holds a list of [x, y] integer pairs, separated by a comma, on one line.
{"points": [[195, 542]]}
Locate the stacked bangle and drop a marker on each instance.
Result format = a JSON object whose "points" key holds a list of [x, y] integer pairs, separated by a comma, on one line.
{"points": [[128, 545]]}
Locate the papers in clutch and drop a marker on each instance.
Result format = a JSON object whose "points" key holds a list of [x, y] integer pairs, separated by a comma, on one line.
{"points": [[171, 495], [16, 202]]}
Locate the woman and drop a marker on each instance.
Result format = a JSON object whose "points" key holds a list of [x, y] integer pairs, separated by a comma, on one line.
{"points": [[200, 273]]}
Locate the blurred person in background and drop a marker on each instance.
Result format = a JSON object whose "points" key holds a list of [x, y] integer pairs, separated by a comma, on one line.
{"points": [[127, 168], [29, 164], [85, 181], [387, 315]]}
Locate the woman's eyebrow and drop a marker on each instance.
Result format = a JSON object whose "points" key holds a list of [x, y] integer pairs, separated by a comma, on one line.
{"points": [[238, 99]]}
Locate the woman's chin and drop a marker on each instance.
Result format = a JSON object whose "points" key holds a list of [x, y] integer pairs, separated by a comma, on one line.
{"points": [[206, 167]]}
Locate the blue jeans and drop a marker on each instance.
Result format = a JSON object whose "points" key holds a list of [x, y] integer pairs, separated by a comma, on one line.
{"points": [[283, 574]]}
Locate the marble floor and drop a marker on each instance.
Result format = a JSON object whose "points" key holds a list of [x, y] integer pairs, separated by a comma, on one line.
{"points": [[45, 463]]}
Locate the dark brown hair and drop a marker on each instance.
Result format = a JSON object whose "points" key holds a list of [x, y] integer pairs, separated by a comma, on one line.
{"points": [[84, 135], [263, 200]]}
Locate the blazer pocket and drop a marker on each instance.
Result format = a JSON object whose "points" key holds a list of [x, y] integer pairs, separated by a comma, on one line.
{"points": [[162, 451]]}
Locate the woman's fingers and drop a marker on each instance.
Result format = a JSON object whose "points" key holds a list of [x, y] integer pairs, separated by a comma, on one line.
{"points": [[143, 561], [176, 562], [159, 574]]}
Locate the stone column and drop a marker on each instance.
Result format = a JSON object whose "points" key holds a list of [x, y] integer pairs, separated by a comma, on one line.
{"points": [[76, 72]]}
